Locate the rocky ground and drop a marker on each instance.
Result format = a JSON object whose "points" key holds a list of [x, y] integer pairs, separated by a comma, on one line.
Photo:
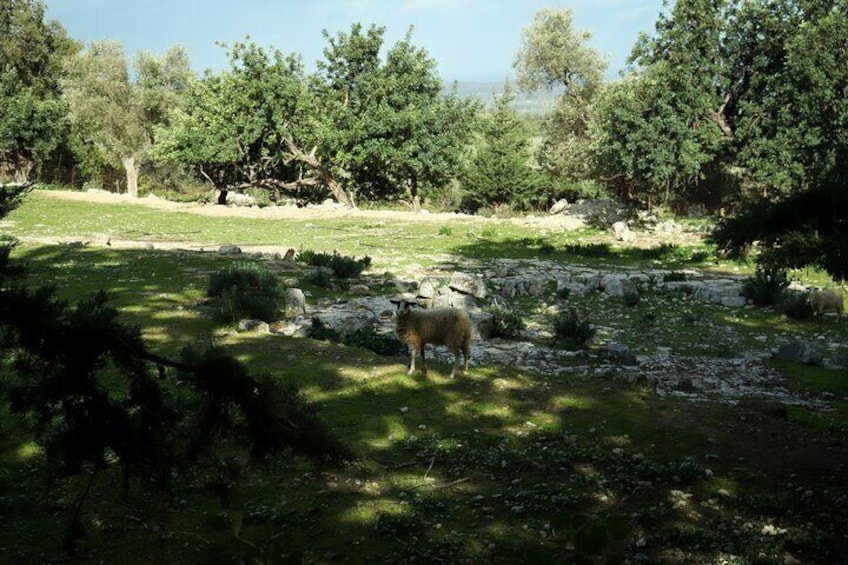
{"points": [[695, 377]]}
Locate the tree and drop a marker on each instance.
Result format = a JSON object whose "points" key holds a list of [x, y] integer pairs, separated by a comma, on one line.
{"points": [[116, 114], [555, 55], [32, 113], [252, 126], [391, 129], [499, 170], [793, 139]]}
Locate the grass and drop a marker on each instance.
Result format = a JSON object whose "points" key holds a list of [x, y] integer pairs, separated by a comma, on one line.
{"points": [[503, 466]]}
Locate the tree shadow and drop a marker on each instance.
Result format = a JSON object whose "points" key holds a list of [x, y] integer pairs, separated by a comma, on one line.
{"points": [[502, 465]]}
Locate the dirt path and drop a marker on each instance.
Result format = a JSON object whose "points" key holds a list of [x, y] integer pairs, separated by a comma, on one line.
{"points": [[322, 211]]}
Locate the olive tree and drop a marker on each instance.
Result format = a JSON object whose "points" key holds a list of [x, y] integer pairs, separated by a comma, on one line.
{"points": [[116, 113], [555, 55]]}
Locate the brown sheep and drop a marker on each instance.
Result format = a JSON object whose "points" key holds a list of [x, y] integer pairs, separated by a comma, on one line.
{"points": [[444, 326]]}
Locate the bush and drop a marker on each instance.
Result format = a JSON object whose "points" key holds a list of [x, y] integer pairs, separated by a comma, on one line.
{"points": [[381, 344], [630, 299], [506, 322], [589, 249], [320, 277], [571, 331], [546, 248], [365, 337], [795, 306], [245, 290], [674, 276], [767, 285], [343, 267]]}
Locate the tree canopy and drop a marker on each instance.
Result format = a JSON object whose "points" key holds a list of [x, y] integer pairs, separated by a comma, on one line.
{"points": [[32, 110], [117, 114]]}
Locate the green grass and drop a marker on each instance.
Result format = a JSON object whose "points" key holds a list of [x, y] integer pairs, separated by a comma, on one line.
{"points": [[503, 466]]}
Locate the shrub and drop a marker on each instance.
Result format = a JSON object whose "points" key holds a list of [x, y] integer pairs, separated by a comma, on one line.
{"points": [[674, 276], [563, 293], [320, 331], [571, 330], [343, 267], [546, 248], [381, 344], [445, 230], [245, 290], [589, 249], [321, 277], [795, 306], [766, 286], [506, 322], [630, 299]]}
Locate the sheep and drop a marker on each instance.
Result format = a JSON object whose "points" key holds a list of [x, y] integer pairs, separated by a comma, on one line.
{"points": [[443, 326], [827, 299]]}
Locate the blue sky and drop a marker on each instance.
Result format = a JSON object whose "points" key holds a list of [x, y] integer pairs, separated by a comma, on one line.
{"points": [[473, 40]]}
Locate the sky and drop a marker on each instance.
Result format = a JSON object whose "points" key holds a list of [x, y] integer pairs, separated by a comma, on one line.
{"points": [[472, 40]]}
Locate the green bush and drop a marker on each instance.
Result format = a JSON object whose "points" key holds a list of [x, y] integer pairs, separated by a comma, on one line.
{"points": [[571, 330], [674, 276], [320, 331], [506, 322], [795, 306], [589, 249], [630, 299], [245, 290], [546, 248], [381, 344], [767, 285], [365, 337], [343, 267], [321, 277]]}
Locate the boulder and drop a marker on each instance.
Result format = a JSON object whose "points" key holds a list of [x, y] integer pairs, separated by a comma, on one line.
{"points": [[229, 249], [295, 302], [805, 352]]}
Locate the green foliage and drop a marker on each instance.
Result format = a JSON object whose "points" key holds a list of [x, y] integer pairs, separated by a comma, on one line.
{"points": [[795, 306], [767, 285], [674, 276], [391, 130], [342, 266], [499, 171], [631, 299], [365, 337], [571, 330], [32, 112], [445, 230], [506, 321], [554, 54], [244, 126], [547, 248], [245, 290], [589, 249], [806, 228], [116, 114]]}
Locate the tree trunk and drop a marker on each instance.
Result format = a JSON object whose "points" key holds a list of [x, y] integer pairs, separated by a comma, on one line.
{"points": [[323, 173], [222, 197], [17, 166], [132, 175], [413, 191]]}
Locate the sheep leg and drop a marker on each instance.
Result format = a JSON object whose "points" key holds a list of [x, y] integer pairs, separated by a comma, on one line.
{"points": [[423, 359], [412, 360], [465, 348]]}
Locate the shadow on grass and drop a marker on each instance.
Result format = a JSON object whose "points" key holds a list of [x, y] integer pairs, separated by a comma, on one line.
{"points": [[501, 466]]}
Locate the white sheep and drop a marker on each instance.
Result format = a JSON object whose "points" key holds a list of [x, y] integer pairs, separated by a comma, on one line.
{"points": [[827, 299], [443, 326]]}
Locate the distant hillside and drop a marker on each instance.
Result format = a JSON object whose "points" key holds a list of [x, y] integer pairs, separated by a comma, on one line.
{"points": [[530, 103]]}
